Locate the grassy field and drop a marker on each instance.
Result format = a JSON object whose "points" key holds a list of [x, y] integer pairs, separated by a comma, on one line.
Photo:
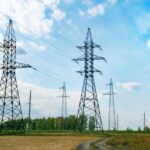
{"points": [[131, 142], [54, 142]]}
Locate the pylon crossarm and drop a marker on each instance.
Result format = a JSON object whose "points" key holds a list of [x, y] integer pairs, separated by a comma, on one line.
{"points": [[81, 48], [78, 59], [100, 58], [97, 46], [80, 72], [98, 71], [19, 65]]}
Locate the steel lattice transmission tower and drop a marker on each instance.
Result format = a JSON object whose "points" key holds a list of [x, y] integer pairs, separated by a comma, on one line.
{"points": [[30, 96], [64, 101], [111, 113], [11, 117], [88, 115], [64, 105]]}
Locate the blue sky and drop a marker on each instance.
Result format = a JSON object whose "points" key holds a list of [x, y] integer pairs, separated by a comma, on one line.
{"points": [[47, 33]]}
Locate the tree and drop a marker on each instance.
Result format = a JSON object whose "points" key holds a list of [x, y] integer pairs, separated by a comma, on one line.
{"points": [[91, 123]]}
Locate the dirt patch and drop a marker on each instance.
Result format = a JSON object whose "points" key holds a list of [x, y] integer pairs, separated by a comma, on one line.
{"points": [[42, 142]]}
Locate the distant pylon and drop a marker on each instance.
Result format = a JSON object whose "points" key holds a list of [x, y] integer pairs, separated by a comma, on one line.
{"points": [[64, 105], [64, 101], [88, 115], [30, 105], [11, 117], [111, 113], [144, 121], [117, 122]]}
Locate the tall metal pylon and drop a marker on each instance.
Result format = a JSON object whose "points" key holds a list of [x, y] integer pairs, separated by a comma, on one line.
{"points": [[30, 105], [11, 117], [144, 123], [64, 105], [117, 122], [88, 115], [111, 113], [64, 101]]}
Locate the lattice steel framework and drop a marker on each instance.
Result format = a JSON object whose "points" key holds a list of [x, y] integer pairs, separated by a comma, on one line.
{"points": [[89, 106], [11, 117], [64, 112], [30, 96], [111, 113], [64, 101]]}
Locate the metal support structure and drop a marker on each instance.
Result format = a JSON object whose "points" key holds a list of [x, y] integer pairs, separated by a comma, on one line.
{"points": [[64, 104], [11, 117], [144, 122], [64, 101], [30, 105], [111, 113], [88, 115], [117, 123]]}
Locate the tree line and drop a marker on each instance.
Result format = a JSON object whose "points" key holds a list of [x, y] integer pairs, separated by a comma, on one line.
{"points": [[51, 123]]}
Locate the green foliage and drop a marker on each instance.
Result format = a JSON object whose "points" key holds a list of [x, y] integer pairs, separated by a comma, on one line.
{"points": [[130, 142], [51, 123], [91, 123]]}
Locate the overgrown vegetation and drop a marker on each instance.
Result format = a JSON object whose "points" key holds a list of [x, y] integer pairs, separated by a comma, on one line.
{"points": [[50, 123], [131, 142]]}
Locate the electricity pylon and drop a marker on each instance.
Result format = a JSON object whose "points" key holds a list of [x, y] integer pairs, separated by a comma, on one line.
{"points": [[64, 105], [29, 115], [144, 122], [111, 113], [64, 101], [117, 122], [11, 117], [30, 105], [88, 115]]}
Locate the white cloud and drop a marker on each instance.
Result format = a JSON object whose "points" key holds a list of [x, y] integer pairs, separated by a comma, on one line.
{"points": [[81, 12], [37, 47], [148, 43], [45, 101], [96, 10], [30, 45], [58, 14], [30, 15], [130, 86]]}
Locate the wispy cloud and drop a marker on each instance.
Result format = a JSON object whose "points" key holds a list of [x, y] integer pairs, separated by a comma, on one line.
{"points": [[130, 86], [24, 46], [98, 9], [45, 101], [148, 43], [30, 15]]}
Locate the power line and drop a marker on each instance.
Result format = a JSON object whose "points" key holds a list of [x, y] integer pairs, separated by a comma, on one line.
{"points": [[67, 39], [42, 71], [44, 40], [71, 29], [111, 113]]}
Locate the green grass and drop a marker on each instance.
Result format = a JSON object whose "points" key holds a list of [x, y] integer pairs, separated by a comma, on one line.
{"points": [[131, 142]]}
